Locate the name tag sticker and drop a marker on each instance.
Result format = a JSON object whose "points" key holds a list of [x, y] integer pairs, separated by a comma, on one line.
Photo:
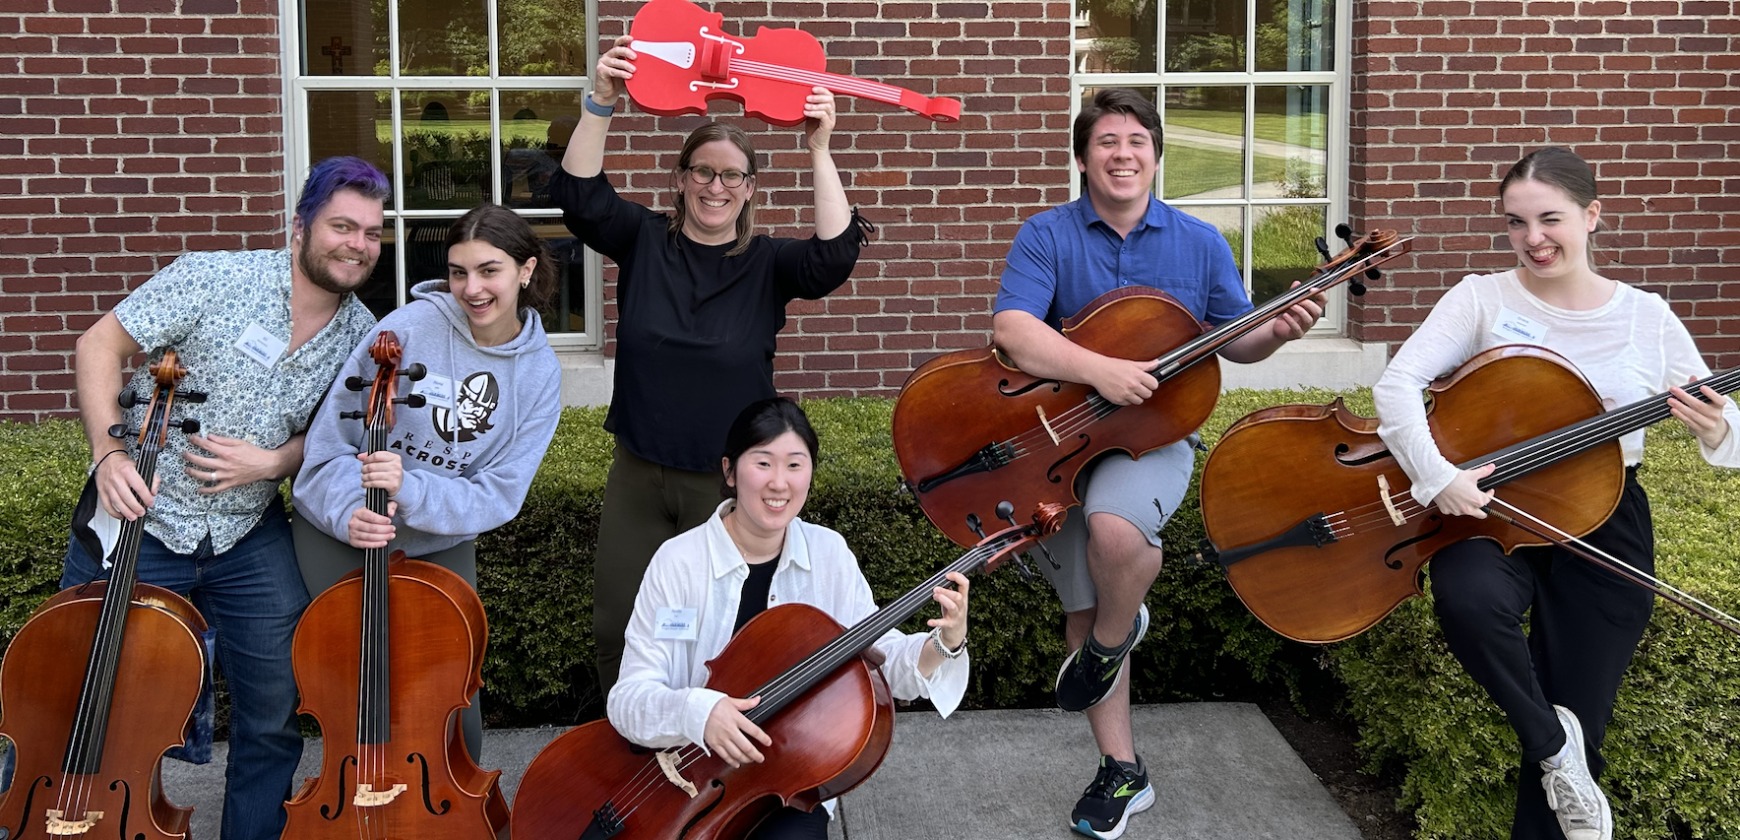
{"points": [[438, 390], [1515, 327], [676, 623], [261, 346]]}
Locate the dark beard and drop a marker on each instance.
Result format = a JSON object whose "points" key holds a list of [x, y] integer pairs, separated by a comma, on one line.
{"points": [[315, 269]]}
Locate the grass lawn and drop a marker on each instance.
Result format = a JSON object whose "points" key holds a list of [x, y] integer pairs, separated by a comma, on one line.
{"points": [[1268, 126], [1191, 170]]}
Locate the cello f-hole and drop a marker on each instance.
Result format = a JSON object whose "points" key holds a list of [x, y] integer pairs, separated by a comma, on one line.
{"points": [[446, 805], [326, 811], [1003, 387], [1389, 556], [717, 785], [1051, 472], [1342, 452]]}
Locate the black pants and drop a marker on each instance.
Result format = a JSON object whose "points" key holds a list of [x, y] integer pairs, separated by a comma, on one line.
{"points": [[1584, 624], [792, 824]]}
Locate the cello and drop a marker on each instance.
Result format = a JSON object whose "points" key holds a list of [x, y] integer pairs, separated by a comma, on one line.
{"points": [[692, 61], [827, 709], [385, 659], [970, 427], [1310, 514], [129, 702]]}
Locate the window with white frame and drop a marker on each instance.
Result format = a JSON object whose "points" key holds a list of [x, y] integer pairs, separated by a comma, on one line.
{"points": [[1253, 96], [460, 102]]}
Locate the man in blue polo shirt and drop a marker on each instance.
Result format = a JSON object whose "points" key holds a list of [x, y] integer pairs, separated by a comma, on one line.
{"points": [[1117, 234]]}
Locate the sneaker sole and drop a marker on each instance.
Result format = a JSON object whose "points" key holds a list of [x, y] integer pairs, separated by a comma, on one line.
{"points": [[1142, 802]]}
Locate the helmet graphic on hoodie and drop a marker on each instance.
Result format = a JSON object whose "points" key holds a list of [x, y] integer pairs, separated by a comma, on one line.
{"points": [[473, 406]]}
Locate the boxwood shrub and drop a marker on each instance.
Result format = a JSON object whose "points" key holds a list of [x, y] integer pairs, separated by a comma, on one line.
{"points": [[1674, 746]]}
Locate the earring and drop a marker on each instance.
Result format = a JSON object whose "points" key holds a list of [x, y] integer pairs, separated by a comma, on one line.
{"points": [[525, 283]]}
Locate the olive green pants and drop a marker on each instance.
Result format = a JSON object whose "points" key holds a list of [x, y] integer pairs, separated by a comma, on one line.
{"points": [[324, 561], [644, 505]]}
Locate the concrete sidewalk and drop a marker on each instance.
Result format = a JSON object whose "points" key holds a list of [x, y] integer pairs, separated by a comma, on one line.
{"points": [[1220, 770]]}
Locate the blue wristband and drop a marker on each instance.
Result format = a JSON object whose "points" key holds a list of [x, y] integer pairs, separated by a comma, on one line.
{"points": [[592, 106]]}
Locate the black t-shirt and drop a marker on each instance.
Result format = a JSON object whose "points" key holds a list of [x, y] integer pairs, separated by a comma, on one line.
{"points": [[755, 588], [696, 330]]}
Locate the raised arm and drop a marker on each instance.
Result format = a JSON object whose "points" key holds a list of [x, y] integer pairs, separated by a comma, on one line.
{"points": [[585, 156], [832, 211]]}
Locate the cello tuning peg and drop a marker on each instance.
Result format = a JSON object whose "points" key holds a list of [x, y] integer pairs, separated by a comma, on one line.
{"points": [[355, 383], [1323, 248], [191, 396], [413, 401], [190, 427], [1373, 274], [976, 525], [1006, 512], [1356, 288], [128, 399], [119, 431], [1345, 232], [415, 372], [350, 415]]}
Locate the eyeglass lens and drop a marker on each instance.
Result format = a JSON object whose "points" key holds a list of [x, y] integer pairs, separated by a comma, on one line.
{"points": [[704, 175]]}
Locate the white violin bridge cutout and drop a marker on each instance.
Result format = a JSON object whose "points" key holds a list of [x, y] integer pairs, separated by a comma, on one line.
{"points": [[695, 86]]}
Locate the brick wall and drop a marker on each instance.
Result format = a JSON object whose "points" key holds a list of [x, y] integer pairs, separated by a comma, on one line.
{"points": [[131, 131], [1447, 94], [947, 198]]}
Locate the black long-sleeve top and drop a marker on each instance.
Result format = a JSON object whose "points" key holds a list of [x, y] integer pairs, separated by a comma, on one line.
{"points": [[696, 330]]}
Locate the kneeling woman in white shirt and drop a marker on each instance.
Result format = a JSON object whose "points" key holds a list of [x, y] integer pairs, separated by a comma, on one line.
{"points": [[752, 554]]}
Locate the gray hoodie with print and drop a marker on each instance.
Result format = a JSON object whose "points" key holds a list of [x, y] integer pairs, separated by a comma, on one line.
{"points": [[469, 453]]}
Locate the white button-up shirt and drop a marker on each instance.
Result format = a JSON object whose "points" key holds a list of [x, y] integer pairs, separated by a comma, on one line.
{"points": [[660, 699]]}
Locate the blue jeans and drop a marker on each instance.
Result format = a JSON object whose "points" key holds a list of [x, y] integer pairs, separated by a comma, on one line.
{"points": [[252, 595]]}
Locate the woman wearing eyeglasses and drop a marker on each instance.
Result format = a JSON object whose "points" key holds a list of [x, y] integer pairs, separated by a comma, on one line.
{"points": [[700, 299]]}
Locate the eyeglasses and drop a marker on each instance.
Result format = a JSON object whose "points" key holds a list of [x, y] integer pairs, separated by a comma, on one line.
{"points": [[704, 175]]}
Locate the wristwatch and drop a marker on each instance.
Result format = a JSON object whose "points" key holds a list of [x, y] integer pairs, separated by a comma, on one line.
{"points": [[936, 642]]}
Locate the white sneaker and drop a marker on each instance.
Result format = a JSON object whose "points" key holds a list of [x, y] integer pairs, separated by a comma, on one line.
{"points": [[1572, 793]]}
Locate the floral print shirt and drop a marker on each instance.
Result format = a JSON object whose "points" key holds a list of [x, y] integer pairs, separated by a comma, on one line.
{"points": [[227, 316]]}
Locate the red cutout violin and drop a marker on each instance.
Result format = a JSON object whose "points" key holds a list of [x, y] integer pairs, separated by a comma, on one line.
{"points": [[685, 61]]}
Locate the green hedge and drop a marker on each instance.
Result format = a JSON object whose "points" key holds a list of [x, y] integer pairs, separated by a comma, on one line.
{"points": [[1674, 746]]}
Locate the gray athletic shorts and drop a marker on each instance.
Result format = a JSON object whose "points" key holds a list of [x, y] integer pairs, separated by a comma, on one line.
{"points": [[1143, 492]]}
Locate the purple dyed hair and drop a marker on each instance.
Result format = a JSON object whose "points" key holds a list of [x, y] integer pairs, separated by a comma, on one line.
{"points": [[339, 173]]}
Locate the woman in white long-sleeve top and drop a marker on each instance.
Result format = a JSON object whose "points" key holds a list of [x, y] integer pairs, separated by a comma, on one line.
{"points": [[1557, 683], [754, 553]]}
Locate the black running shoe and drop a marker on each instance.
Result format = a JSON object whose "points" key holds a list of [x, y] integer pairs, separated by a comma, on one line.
{"points": [[1109, 801], [1088, 677]]}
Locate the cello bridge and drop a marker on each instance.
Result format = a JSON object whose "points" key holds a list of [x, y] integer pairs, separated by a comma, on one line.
{"points": [[367, 796], [60, 826], [668, 763], [1045, 423], [1389, 504]]}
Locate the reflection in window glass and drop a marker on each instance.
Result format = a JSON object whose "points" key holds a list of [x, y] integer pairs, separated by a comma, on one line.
{"points": [[351, 122], [1290, 126], [446, 149], [1295, 35], [1205, 35], [443, 38], [377, 292], [1229, 219], [541, 37], [1115, 36], [344, 38], [1283, 247], [1205, 143], [425, 251], [535, 129]]}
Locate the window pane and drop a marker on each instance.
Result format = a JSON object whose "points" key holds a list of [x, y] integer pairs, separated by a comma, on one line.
{"points": [[446, 149], [1291, 129], [1115, 36], [344, 38], [351, 122], [1295, 35], [541, 37], [425, 251], [1205, 143], [377, 292], [443, 38], [1205, 35], [1230, 221], [567, 310], [1283, 247], [535, 128]]}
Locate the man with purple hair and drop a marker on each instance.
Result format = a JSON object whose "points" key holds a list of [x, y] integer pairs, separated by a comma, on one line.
{"points": [[262, 334]]}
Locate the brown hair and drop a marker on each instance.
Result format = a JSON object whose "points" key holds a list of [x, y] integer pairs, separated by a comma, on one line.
{"points": [[1561, 168], [1117, 101], [506, 230], [708, 133]]}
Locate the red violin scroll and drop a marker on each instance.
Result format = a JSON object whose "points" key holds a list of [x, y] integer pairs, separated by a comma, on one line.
{"points": [[686, 60]]}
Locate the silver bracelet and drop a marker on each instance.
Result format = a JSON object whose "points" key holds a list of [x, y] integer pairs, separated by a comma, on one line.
{"points": [[936, 642]]}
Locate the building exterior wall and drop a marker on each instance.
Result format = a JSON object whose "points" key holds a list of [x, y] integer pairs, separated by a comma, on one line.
{"points": [[132, 131], [1447, 94]]}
